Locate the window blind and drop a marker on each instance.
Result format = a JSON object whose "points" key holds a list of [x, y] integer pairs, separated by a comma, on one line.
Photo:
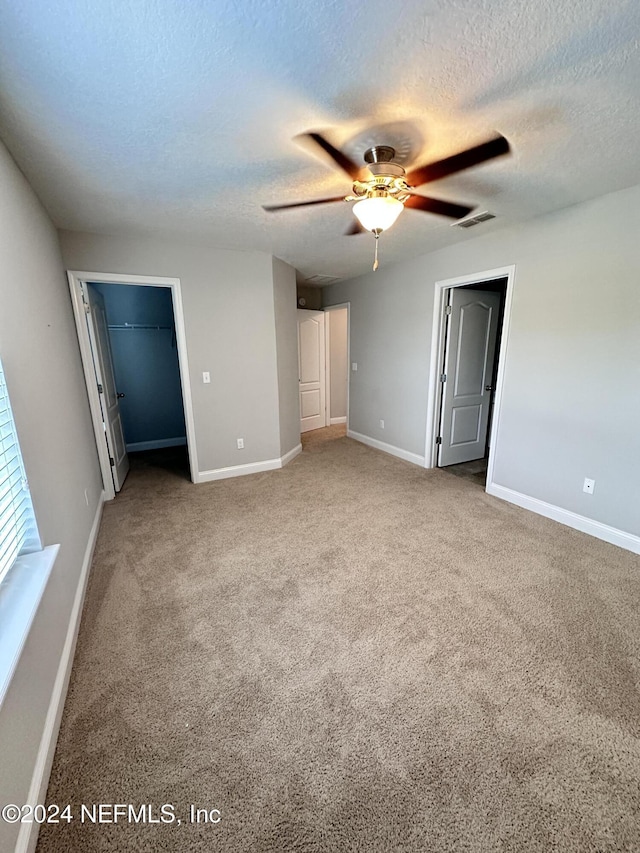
{"points": [[18, 529]]}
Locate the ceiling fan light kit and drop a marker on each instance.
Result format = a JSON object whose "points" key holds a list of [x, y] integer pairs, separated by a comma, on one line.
{"points": [[383, 189], [378, 211]]}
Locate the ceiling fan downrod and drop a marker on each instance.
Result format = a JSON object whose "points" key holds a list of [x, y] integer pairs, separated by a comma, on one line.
{"points": [[379, 154]]}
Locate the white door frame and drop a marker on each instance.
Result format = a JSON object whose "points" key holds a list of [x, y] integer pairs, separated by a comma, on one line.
{"points": [[76, 279], [327, 336], [437, 355]]}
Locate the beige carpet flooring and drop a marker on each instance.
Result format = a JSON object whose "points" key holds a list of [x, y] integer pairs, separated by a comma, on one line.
{"points": [[351, 654]]}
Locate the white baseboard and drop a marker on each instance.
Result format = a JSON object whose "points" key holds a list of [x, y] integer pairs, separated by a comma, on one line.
{"points": [[628, 541], [290, 455], [387, 448], [249, 468], [333, 421], [238, 470], [155, 445], [28, 835]]}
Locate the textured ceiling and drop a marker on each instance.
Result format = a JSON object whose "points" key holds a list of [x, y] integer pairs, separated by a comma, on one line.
{"points": [[173, 118]]}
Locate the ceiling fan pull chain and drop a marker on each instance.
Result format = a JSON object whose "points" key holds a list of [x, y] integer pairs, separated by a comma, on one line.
{"points": [[375, 257]]}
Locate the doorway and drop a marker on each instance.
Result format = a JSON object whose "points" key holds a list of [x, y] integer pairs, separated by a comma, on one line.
{"points": [[323, 361], [337, 353], [132, 344], [468, 350], [145, 365]]}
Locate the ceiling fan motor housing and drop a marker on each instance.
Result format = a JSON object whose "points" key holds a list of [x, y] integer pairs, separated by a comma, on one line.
{"points": [[387, 178]]}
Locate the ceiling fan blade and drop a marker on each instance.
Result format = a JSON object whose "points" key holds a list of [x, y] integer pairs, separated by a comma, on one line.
{"points": [[457, 162], [347, 165], [436, 205], [270, 208], [354, 228]]}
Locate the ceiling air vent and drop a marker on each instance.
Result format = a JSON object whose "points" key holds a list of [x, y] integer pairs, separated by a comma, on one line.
{"points": [[470, 221], [321, 279]]}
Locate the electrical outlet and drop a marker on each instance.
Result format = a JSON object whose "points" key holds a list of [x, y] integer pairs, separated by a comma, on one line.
{"points": [[354, 366], [241, 444], [206, 377], [381, 424], [589, 486]]}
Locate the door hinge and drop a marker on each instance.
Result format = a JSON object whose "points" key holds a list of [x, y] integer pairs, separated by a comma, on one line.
{"points": [[100, 389], [439, 440], [112, 461], [447, 310], [443, 377]]}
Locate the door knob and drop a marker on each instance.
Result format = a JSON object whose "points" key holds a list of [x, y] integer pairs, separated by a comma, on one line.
{"points": [[486, 388], [119, 395]]}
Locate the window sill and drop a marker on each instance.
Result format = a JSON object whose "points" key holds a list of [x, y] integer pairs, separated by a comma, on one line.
{"points": [[20, 594]]}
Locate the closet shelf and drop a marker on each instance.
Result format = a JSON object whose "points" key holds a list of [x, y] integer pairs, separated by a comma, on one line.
{"points": [[137, 326]]}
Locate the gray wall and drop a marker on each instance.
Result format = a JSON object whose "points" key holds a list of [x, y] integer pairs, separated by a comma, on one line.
{"points": [[145, 362], [230, 328], [337, 362], [286, 319], [571, 406], [39, 350]]}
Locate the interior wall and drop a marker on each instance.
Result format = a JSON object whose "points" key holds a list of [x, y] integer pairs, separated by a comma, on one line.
{"points": [[39, 350], [286, 320], [338, 354], [228, 306], [570, 407], [145, 364]]}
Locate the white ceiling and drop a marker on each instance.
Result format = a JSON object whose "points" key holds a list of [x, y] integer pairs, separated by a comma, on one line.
{"points": [[174, 118]]}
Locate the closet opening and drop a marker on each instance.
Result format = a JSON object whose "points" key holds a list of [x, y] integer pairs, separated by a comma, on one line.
{"points": [[132, 343], [146, 371]]}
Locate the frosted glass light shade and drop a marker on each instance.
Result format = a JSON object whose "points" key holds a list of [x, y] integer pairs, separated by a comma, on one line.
{"points": [[378, 213]]}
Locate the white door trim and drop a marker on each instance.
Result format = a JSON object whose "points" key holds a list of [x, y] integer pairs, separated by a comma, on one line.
{"points": [[437, 355], [76, 279], [337, 307]]}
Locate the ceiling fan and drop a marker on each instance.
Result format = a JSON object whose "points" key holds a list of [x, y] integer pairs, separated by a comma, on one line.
{"points": [[382, 188]]}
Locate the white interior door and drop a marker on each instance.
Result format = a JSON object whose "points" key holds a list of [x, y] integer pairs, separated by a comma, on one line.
{"points": [[311, 369], [472, 330], [103, 364]]}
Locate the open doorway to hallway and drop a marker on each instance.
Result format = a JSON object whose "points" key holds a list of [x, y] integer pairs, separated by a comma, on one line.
{"points": [[474, 315], [469, 346], [337, 347], [323, 360]]}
